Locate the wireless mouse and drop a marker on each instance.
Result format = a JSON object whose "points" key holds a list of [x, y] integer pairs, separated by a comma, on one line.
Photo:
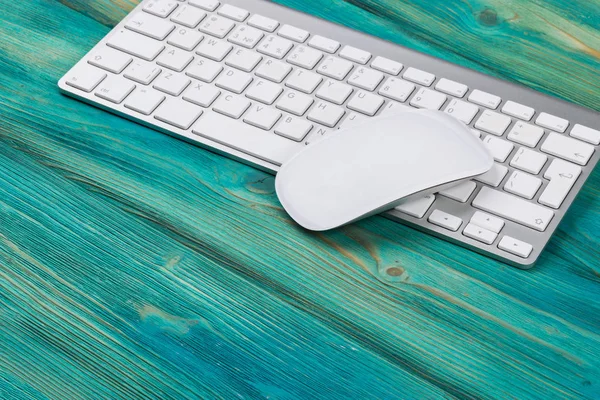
{"points": [[374, 165]]}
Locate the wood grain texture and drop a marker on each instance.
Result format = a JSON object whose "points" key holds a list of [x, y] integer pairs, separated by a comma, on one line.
{"points": [[133, 265]]}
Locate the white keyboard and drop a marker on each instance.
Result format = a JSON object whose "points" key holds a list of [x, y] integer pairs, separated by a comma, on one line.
{"points": [[260, 86]]}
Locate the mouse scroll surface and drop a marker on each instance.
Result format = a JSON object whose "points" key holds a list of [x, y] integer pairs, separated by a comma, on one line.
{"points": [[370, 167]]}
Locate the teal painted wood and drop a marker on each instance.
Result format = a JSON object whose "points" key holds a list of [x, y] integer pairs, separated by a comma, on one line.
{"points": [[134, 265]]}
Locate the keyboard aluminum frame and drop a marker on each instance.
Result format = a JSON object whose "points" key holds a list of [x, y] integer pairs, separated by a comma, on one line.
{"points": [[410, 58]]}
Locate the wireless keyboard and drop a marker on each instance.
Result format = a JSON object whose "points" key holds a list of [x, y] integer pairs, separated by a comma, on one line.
{"points": [[257, 81]]}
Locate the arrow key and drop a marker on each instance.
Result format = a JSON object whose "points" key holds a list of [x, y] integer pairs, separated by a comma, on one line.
{"points": [[487, 221], [445, 220], [480, 234], [515, 246]]}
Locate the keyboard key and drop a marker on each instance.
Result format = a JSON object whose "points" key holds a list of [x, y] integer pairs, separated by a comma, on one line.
{"points": [[262, 116], [324, 44], [171, 83], [317, 134], [160, 8], [365, 102], [275, 46], [514, 208], [188, 16], [351, 119], [326, 114], [216, 26], [429, 99], [146, 24], [499, 148], [526, 134], [386, 65], [484, 99], [246, 138], [515, 246], [135, 44], [293, 128], [305, 57], [418, 76], [356, 55], [233, 80], [201, 94], [142, 72], [243, 59], [568, 148], [233, 12], [264, 91], [204, 69], [460, 192], [175, 59], [452, 88], [334, 91], [487, 221], [293, 33], [209, 5], [294, 102], [551, 122], [523, 184], [178, 113], [144, 100], [518, 110], [528, 160], [110, 60], [395, 107], [445, 220], [231, 105], [562, 176], [365, 78], [186, 39], [245, 36], [480, 234], [493, 122], [214, 49], [303, 81], [494, 176], [462, 110], [85, 77], [396, 89], [334, 67], [114, 89], [586, 134], [264, 23], [273, 70], [416, 207]]}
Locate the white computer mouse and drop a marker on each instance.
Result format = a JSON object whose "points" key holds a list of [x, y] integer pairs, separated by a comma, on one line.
{"points": [[374, 165]]}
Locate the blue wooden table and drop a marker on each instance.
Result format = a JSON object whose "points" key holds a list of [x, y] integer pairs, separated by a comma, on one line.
{"points": [[133, 265]]}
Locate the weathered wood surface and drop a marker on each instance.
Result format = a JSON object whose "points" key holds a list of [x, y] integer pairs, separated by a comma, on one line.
{"points": [[133, 265]]}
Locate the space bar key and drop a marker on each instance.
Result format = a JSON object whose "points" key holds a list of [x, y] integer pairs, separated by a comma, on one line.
{"points": [[245, 138]]}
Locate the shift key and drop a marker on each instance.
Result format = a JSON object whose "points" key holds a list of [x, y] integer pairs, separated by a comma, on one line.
{"points": [[513, 208], [135, 44]]}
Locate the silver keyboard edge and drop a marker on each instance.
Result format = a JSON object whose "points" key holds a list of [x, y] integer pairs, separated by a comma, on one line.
{"points": [[442, 69]]}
